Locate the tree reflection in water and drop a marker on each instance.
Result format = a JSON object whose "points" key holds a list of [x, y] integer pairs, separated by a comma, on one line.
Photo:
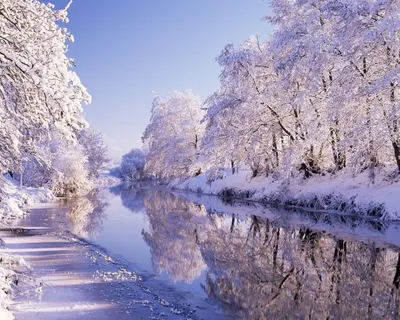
{"points": [[173, 236], [132, 196], [259, 269], [86, 214], [282, 273]]}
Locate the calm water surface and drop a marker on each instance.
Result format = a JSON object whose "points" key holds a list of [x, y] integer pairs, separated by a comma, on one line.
{"points": [[244, 260]]}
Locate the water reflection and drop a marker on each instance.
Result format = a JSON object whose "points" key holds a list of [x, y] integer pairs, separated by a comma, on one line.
{"points": [[132, 196], [173, 236], [271, 272], [85, 215], [263, 263], [262, 269]]}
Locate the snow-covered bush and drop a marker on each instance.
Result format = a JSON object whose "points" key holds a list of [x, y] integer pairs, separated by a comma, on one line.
{"points": [[216, 174], [35, 173]]}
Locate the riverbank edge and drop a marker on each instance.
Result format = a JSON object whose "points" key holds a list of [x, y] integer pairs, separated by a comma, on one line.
{"points": [[343, 193]]}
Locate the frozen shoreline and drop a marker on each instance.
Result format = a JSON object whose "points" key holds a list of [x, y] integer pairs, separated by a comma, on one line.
{"points": [[341, 193]]}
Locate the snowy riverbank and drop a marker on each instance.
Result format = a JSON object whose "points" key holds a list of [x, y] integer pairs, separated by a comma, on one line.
{"points": [[14, 271], [342, 192], [15, 200]]}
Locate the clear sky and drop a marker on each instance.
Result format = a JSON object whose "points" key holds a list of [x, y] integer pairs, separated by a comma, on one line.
{"points": [[124, 50]]}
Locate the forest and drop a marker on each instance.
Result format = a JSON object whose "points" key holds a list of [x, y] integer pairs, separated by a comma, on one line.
{"points": [[320, 96]]}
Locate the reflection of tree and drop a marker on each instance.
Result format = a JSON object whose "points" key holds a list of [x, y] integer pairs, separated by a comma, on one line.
{"points": [[131, 196], [269, 272], [173, 236], [261, 269], [86, 215]]}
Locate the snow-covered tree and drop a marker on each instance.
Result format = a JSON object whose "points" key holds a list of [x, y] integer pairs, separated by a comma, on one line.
{"points": [[173, 135], [132, 165], [243, 125], [39, 91], [321, 95], [338, 58], [94, 149], [59, 165], [70, 174], [365, 38]]}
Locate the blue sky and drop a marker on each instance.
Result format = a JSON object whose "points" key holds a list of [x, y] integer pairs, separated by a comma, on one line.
{"points": [[124, 50]]}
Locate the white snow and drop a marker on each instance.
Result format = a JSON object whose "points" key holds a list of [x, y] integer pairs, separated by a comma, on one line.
{"points": [[6, 315], [384, 190], [14, 200], [14, 273], [14, 270]]}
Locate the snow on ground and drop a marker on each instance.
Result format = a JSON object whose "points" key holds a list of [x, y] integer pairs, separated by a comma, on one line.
{"points": [[15, 280], [344, 192], [14, 199], [14, 271]]}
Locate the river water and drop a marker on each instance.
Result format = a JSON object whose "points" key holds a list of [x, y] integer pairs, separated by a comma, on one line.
{"points": [[227, 259]]}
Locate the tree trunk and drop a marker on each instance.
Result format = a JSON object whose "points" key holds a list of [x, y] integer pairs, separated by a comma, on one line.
{"points": [[396, 279], [339, 156], [395, 142], [396, 154], [275, 150]]}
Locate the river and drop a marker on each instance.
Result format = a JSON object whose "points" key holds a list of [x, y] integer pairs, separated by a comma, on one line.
{"points": [[226, 259]]}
